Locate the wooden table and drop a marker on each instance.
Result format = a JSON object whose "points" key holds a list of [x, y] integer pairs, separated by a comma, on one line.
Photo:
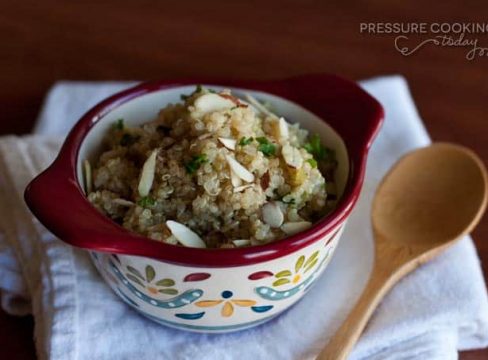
{"points": [[44, 41]]}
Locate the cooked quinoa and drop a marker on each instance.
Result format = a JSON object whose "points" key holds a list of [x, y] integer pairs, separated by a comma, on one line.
{"points": [[213, 171]]}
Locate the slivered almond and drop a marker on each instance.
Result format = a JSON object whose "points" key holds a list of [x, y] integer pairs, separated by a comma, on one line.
{"points": [[123, 202], [230, 97], [147, 175], [265, 179], [204, 136], [258, 106], [291, 228], [88, 177], [242, 188], [185, 235], [235, 180], [239, 170], [241, 242], [272, 214], [228, 143], [292, 156], [283, 127], [212, 102]]}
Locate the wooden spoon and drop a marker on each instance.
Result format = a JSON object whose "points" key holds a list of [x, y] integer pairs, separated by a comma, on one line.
{"points": [[428, 200]]}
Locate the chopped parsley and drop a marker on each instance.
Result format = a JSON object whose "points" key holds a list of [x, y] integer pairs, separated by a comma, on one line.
{"points": [[128, 139], [289, 202], [195, 163], [146, 201], [319, 152], [245, 141], [119, 124], [266, 147], [312, 162]]}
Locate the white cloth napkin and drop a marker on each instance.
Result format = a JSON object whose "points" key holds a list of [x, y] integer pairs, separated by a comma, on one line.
{"points": [[439, 309]]}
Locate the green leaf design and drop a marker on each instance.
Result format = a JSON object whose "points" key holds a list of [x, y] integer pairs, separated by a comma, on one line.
{"points": [[311, 265], [280, 282], [283, 273], [169, 291], [135, 272], [134, 279], [299, 263], [165, 282], [150, 273], [311, 258]]}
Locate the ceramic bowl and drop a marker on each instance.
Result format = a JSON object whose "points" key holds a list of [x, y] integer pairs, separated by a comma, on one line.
{"points": [[200, 289]]}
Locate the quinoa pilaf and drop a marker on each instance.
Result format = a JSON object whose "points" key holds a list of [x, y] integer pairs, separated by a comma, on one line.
{"points": [[213, 171]]}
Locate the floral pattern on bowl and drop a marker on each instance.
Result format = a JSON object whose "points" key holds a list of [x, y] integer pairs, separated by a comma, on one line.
{"points": [[198, 300]]}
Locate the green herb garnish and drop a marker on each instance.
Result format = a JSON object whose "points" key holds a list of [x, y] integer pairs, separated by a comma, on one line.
{"points": [[266, 147], [119, 124], [320, 152], [245, 141], [289, 202], [146, 201], [312, 162], [128, 139], [195, 163]]}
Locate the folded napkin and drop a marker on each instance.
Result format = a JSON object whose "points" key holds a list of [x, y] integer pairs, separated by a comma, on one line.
{"points": [[439, 309]]}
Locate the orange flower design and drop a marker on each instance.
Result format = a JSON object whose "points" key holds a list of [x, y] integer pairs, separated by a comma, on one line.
{"points": [[228, 303]]}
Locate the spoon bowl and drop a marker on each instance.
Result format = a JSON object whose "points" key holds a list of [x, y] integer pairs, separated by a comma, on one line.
{"points": [[427, 201], [433, 195]]}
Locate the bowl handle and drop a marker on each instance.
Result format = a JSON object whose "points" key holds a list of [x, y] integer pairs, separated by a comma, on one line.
{"points": [[57, 200]]}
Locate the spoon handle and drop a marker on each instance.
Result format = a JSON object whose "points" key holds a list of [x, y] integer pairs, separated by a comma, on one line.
{"points": [[341, 344]]}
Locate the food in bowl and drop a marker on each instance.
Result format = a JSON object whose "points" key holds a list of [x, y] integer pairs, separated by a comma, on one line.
{"points": [[199, 289], [213, 171]]}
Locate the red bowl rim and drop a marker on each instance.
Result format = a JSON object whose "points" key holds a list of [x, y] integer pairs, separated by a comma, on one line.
{"points": [[56, 192]]}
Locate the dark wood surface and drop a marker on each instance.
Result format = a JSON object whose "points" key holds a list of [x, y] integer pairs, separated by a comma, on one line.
{"points": [[44, 41]]}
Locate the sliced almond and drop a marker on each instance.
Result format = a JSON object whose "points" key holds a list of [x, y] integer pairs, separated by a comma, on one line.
{"points": [[242, 188], [239, 170], [265, 179], [88, 177], [241, 242], [291, 228], [123, 202], [147, 175], [185, 235], [283, 127], [272, 214], [204, 136], [235, 180], [292, 156], [260, 107], [212, 102], [230, 97], [228, 143]]}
